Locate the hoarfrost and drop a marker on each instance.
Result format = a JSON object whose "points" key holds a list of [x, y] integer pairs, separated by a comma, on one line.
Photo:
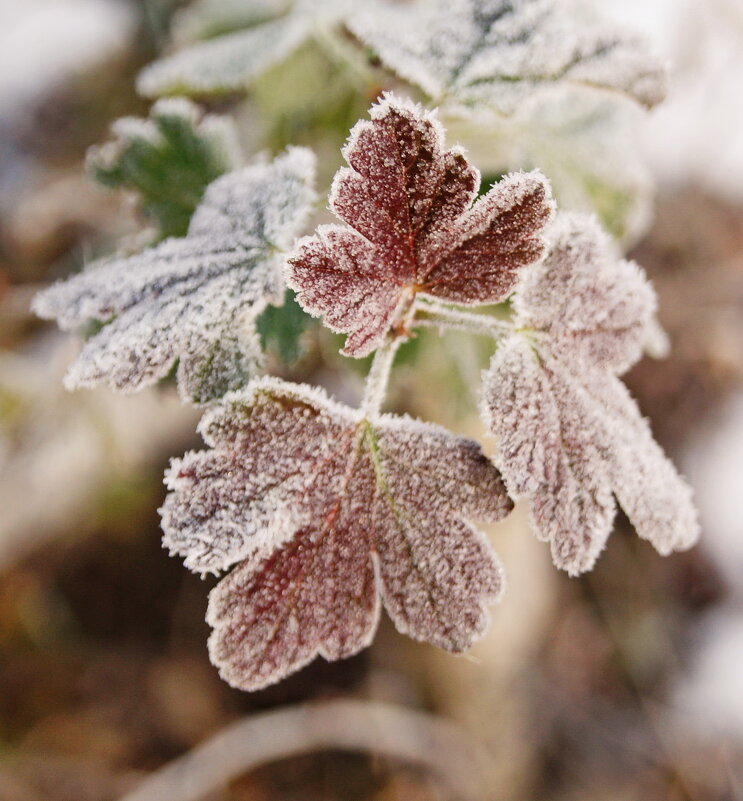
{"points": [[570, 437], [414, 229], [331, 514], [193, 299], [231, 62], [473, 54]]}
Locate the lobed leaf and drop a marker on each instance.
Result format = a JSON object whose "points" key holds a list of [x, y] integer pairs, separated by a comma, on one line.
{"points": [[330, 515], [497, 54], [414, 228], [193, 299], [169, 160], [570, 437], [230, 62]]}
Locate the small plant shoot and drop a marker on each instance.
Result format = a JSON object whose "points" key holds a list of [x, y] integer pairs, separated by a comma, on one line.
{"points": [[320, 513]]}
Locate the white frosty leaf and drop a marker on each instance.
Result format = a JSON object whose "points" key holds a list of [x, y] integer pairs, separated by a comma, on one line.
{"points": [[196, 298], [231, 62], [570, 437], [205, 19], [471, 54], [331, 513]]}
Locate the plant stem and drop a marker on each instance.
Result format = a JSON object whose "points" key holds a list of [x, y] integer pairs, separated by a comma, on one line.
{"points": [[378, 377], [343, 55], [430, 313]]}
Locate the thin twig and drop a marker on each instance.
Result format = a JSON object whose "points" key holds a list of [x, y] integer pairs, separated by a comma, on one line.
{"points": [[437, 315], [347, 725]]}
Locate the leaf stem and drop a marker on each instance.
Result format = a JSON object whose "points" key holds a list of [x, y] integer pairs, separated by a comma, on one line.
{"points": [[343, 55], [378, 377], [431, 313]]}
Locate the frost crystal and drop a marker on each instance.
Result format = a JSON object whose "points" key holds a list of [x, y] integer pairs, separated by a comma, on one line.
{"points": [[415, 229], [474, 54], [231, 62], [570, 437], [169, 159], [328, 513], [193, 299]]}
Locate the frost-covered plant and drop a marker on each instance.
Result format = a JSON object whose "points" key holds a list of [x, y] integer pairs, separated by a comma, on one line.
{"points": [[325, 512]]}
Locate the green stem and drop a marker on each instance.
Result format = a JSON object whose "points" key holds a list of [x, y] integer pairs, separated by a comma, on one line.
{"points": [[431, 313], [378, 377]]}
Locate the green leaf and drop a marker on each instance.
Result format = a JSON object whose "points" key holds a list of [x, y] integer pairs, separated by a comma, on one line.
{"points": [[168, 160], [281, 327]]}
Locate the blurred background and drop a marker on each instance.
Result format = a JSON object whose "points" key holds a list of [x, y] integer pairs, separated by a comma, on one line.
{"points": [[623, 685]]}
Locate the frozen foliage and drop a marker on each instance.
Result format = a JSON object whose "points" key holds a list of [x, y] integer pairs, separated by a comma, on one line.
{"points": [[169, 160], [475, 54], [586, 145], [414, 229], [193, 299], [570, 437], [206, 19], [328, 514], [231, 62]]}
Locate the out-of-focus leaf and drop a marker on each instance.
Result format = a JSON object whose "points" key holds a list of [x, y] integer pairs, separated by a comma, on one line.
{"points": [[231, 62], [206, 19], [584, 143], [475, 54], [168, 159]]}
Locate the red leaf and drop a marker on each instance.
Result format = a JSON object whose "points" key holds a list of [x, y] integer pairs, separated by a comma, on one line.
{"points": [[331, 513], [414, 229]]}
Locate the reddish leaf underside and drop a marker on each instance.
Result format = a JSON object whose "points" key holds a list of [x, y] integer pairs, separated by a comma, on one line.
{"points": [[328, 514], [570, 437], [414, 229]]}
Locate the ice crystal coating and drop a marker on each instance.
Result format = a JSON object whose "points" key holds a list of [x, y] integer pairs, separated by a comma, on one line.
{"points": [[328, 514], [414, 229], [475, 54], [193, 299], [231, 62], [570, 436], [169, 159]]}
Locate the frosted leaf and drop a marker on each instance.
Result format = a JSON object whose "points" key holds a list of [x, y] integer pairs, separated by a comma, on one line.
{"points": [[570, 437], [231, 62], [584, 142], [592, 305], [414, 229], [473, 54], [169, 159], [193, 299], [330, 514], [206, 19]]}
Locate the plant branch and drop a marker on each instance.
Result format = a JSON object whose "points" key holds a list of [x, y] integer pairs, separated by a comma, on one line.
{"points": [[378, 377], [431, 313], [347, 725]]}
